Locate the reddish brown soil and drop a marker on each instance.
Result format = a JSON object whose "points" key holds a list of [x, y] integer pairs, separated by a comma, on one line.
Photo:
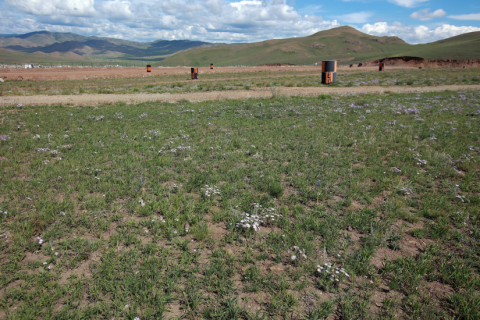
{"points": [[415, 62], [102, 73]]}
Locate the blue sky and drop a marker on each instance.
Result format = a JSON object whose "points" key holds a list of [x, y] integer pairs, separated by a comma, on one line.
{"points": [[415, 21]]}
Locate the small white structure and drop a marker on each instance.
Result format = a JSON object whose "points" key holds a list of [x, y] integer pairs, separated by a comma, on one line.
{"points": [[29, 66]]}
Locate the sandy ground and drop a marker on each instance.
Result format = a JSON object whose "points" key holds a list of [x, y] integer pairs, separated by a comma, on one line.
{"points": [[94, 99], [103, 73]]}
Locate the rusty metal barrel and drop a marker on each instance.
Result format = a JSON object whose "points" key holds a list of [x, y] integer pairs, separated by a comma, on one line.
{"points": [[149, 68], [194, 72], [329, 71]]}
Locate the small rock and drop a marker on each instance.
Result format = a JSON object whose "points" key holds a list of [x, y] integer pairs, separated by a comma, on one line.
{"points": [[350, 228]]}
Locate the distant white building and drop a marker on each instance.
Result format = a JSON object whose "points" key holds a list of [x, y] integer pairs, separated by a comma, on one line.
{"points": [[28, 66]]}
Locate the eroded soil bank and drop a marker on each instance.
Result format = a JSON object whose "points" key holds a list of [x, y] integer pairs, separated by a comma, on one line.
{"points": [[422, 63]]}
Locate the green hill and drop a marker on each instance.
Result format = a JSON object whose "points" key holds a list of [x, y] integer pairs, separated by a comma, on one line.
{"points": [[95, 47], [345, 44], [10, 57]]}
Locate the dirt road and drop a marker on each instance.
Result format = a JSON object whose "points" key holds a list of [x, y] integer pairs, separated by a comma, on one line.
{"points": [[118, 72], [94, 99]]}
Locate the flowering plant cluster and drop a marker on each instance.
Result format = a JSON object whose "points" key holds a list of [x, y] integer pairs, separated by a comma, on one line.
{"points": [[140, 180], [330, 275], [249, 222], [258, 217], [298, 253], [211, 191], [406, 191]]}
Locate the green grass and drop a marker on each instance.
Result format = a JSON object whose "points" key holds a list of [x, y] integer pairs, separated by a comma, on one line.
{"points": [[142, 209], [243, 81]]}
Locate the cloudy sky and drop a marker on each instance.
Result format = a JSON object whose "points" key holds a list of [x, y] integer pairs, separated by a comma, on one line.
{"points": [[415, 21]]}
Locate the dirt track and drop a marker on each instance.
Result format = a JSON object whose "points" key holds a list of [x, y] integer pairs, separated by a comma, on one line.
{"points": [[104, 73], [101, 73], [93, 99]]}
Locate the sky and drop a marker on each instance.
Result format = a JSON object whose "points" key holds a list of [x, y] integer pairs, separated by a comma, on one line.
{"points": [[415, 21]]}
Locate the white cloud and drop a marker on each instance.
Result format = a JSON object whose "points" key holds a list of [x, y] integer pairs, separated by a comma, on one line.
{"points": [[407, 3], [145, 20], [215, 6], [11, 24], [425, 14], [415, 34], [245, 3], [357, 17], [179, 7], [205, 20], [83, 8], [471, 16], [116, 10]]}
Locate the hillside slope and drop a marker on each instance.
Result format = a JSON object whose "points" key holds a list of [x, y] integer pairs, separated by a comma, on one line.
{"points": [[345, 44], [95, 47], [10, 57]]}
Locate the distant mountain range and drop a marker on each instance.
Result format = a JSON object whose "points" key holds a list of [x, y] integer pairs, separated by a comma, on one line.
{"points": [[74, 46], [345, 44]]}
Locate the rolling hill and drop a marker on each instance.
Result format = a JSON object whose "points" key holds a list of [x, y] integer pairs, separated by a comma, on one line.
{"points": [[345, 44], [10, 57], [93, 47]]}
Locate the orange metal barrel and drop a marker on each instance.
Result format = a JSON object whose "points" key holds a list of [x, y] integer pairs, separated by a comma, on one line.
{"points": [[194, 72]]}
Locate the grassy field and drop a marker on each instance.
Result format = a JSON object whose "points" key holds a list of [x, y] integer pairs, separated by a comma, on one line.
{"points": [[239, 81], [355, 207]]}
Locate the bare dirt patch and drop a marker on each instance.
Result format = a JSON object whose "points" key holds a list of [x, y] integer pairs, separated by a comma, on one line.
{"points": [[83, 73], [31, 257], [83, 270], [118, 72], [411, 247]]}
